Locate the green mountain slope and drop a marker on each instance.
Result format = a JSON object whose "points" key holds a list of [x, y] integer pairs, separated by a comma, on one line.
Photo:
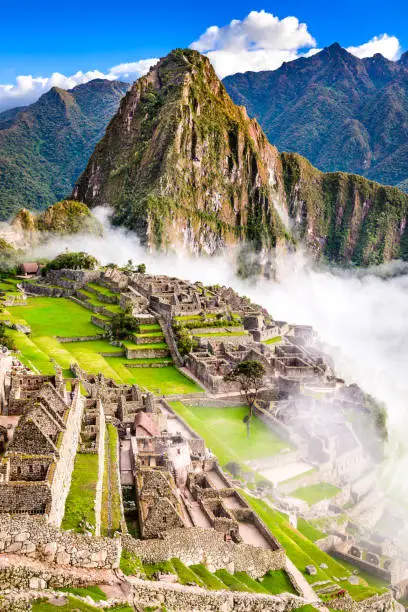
{"points": [[45, 146], [341, 112], [182, 165]]}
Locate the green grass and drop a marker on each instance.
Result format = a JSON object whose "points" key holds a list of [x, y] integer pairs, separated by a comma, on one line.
{"points": [[163, 567], [111, 460], [92, 591], [225, 433], [307, 608], [74, 605], [93, 346], [50, 317], [272, 340], [253, 585], [313, 494], [276, 582], [131, 565], [185, 574], [140, 347], [55, 317], [302, 551], [81, 497], [211, 581], [309, 531], [150, 327], [102, 289], [233, 583], [165, 381]]}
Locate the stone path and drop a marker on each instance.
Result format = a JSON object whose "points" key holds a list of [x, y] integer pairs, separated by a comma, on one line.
{"points": [[307, 591], [126, 475]]}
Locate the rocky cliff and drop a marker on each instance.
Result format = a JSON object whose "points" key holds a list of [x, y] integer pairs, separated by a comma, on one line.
{"points": [[181, 163]]}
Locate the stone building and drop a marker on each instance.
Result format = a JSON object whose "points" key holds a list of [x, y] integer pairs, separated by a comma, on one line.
{"points": [[39, 452]]}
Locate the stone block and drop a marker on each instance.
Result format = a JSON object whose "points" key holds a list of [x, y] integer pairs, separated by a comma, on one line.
{"points": [[22, 537], [99, 556], [63, 558], [50, 549], [311, 570], [28, 547], [37, 583], [15, 547]]}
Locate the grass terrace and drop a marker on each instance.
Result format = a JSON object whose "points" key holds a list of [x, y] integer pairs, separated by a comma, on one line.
{"points": [[111, 500], [102, 289], [225, 433], [273, 583], [273, 340], [73, 604], [81, 497], [50, 317], [315, 493], [302, 552]]}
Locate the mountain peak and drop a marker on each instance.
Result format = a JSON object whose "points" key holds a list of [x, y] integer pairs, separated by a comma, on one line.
{"points": [[179, 158]]}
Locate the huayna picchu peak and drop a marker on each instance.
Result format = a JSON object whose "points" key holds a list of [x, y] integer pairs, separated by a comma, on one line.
{"points": [[180, 163]]}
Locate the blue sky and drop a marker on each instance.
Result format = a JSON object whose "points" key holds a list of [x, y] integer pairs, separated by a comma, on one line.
{"points": [[40, 38]]}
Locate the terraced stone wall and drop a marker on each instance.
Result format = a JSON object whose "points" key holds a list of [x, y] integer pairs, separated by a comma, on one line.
{"points": [[34, 536], [197, 545]]}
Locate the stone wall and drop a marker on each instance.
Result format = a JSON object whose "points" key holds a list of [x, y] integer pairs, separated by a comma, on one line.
{"points": [[370, 568], [66, 340], [101, 429], [197, 545], [176, 597], [146, 353], [61, 480], [35, 537]]}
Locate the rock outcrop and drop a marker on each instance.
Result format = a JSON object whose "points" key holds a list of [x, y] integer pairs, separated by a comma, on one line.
{"points": [[182, 165]]}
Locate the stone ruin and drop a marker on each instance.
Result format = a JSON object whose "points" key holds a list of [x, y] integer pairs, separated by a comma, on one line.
{"points": [[42, 421]]}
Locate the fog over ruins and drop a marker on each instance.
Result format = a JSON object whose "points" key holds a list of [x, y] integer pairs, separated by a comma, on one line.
{"points": [[170, 486]]}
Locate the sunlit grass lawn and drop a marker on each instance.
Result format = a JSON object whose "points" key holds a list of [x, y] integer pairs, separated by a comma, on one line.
{"points": [[55, 317], [225, 433], [167, 380], [316, 493], [50, 317], [81, 497]]}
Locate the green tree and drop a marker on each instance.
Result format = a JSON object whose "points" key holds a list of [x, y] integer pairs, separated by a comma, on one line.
{"points": [[123, 325], [250, 376], [72, 261], [141, 268]]}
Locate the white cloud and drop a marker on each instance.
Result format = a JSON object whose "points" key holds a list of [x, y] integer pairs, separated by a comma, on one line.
{"points": [[130, 71], [28, 89], [388, 46], [261, 41]]}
